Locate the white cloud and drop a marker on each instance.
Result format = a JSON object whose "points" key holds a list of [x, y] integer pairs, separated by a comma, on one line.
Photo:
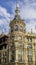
{"points": [[28, 12], [31, 25], [4, 12], [4, 18]]}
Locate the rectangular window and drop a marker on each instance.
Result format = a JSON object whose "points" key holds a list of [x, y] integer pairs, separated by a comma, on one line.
{"points": [[5, 54], [29, 39], [5, 60], [12, 37], [20, 55], [0, 54], [29, 58], [29, 52], [29, 46], [12, 58], [29, 55], [0, 61], [11, 29]]}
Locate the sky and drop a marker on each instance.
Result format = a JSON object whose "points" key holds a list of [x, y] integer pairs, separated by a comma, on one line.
{"points": [[27, 12]]}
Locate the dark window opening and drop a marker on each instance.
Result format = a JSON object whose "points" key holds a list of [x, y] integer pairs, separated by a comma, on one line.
{"points": [[12, 59], [20, 59], [5, 60], [12, 37], [29, 46], [29, 58], [0, 61], [11, 29], [3, 45]]}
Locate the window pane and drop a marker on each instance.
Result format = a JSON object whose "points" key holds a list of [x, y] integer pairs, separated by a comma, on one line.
{"points": [[12, 56], [30, 52], [5, 54], [29, 58], [29, 46], [20, 44], [29, 39], [11, 29], [30, 55], [20, 55], [5, 60]]}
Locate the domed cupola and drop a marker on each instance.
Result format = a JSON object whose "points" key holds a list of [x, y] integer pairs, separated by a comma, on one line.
{"points": [[17, 19]]}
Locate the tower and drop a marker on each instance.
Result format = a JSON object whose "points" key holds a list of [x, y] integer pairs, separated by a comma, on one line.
{"points": [[18, 47], [17, 31]]}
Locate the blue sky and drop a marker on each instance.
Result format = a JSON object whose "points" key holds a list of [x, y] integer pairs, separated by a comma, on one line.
{"points": [[27, 12]]}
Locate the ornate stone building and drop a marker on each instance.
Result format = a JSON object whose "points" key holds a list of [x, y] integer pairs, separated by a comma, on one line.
{"points": [[18, 47]]}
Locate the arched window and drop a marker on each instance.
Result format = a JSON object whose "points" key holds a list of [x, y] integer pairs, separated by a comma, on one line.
{"points": [[12, 52], [16, 27]]}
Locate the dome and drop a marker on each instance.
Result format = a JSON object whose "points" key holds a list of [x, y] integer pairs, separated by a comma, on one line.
{"points": [[17, 17]]}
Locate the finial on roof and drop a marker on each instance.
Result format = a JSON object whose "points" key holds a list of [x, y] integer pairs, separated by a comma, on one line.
{"points": [[17, 11], [17, 5], [3, 30]]}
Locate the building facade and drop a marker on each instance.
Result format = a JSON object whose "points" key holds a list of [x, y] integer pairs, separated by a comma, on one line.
{"points": [[18, 47]]}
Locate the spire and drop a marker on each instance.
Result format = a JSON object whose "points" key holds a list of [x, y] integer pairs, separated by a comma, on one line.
{"points": [[17, 11], [3, 30]]}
